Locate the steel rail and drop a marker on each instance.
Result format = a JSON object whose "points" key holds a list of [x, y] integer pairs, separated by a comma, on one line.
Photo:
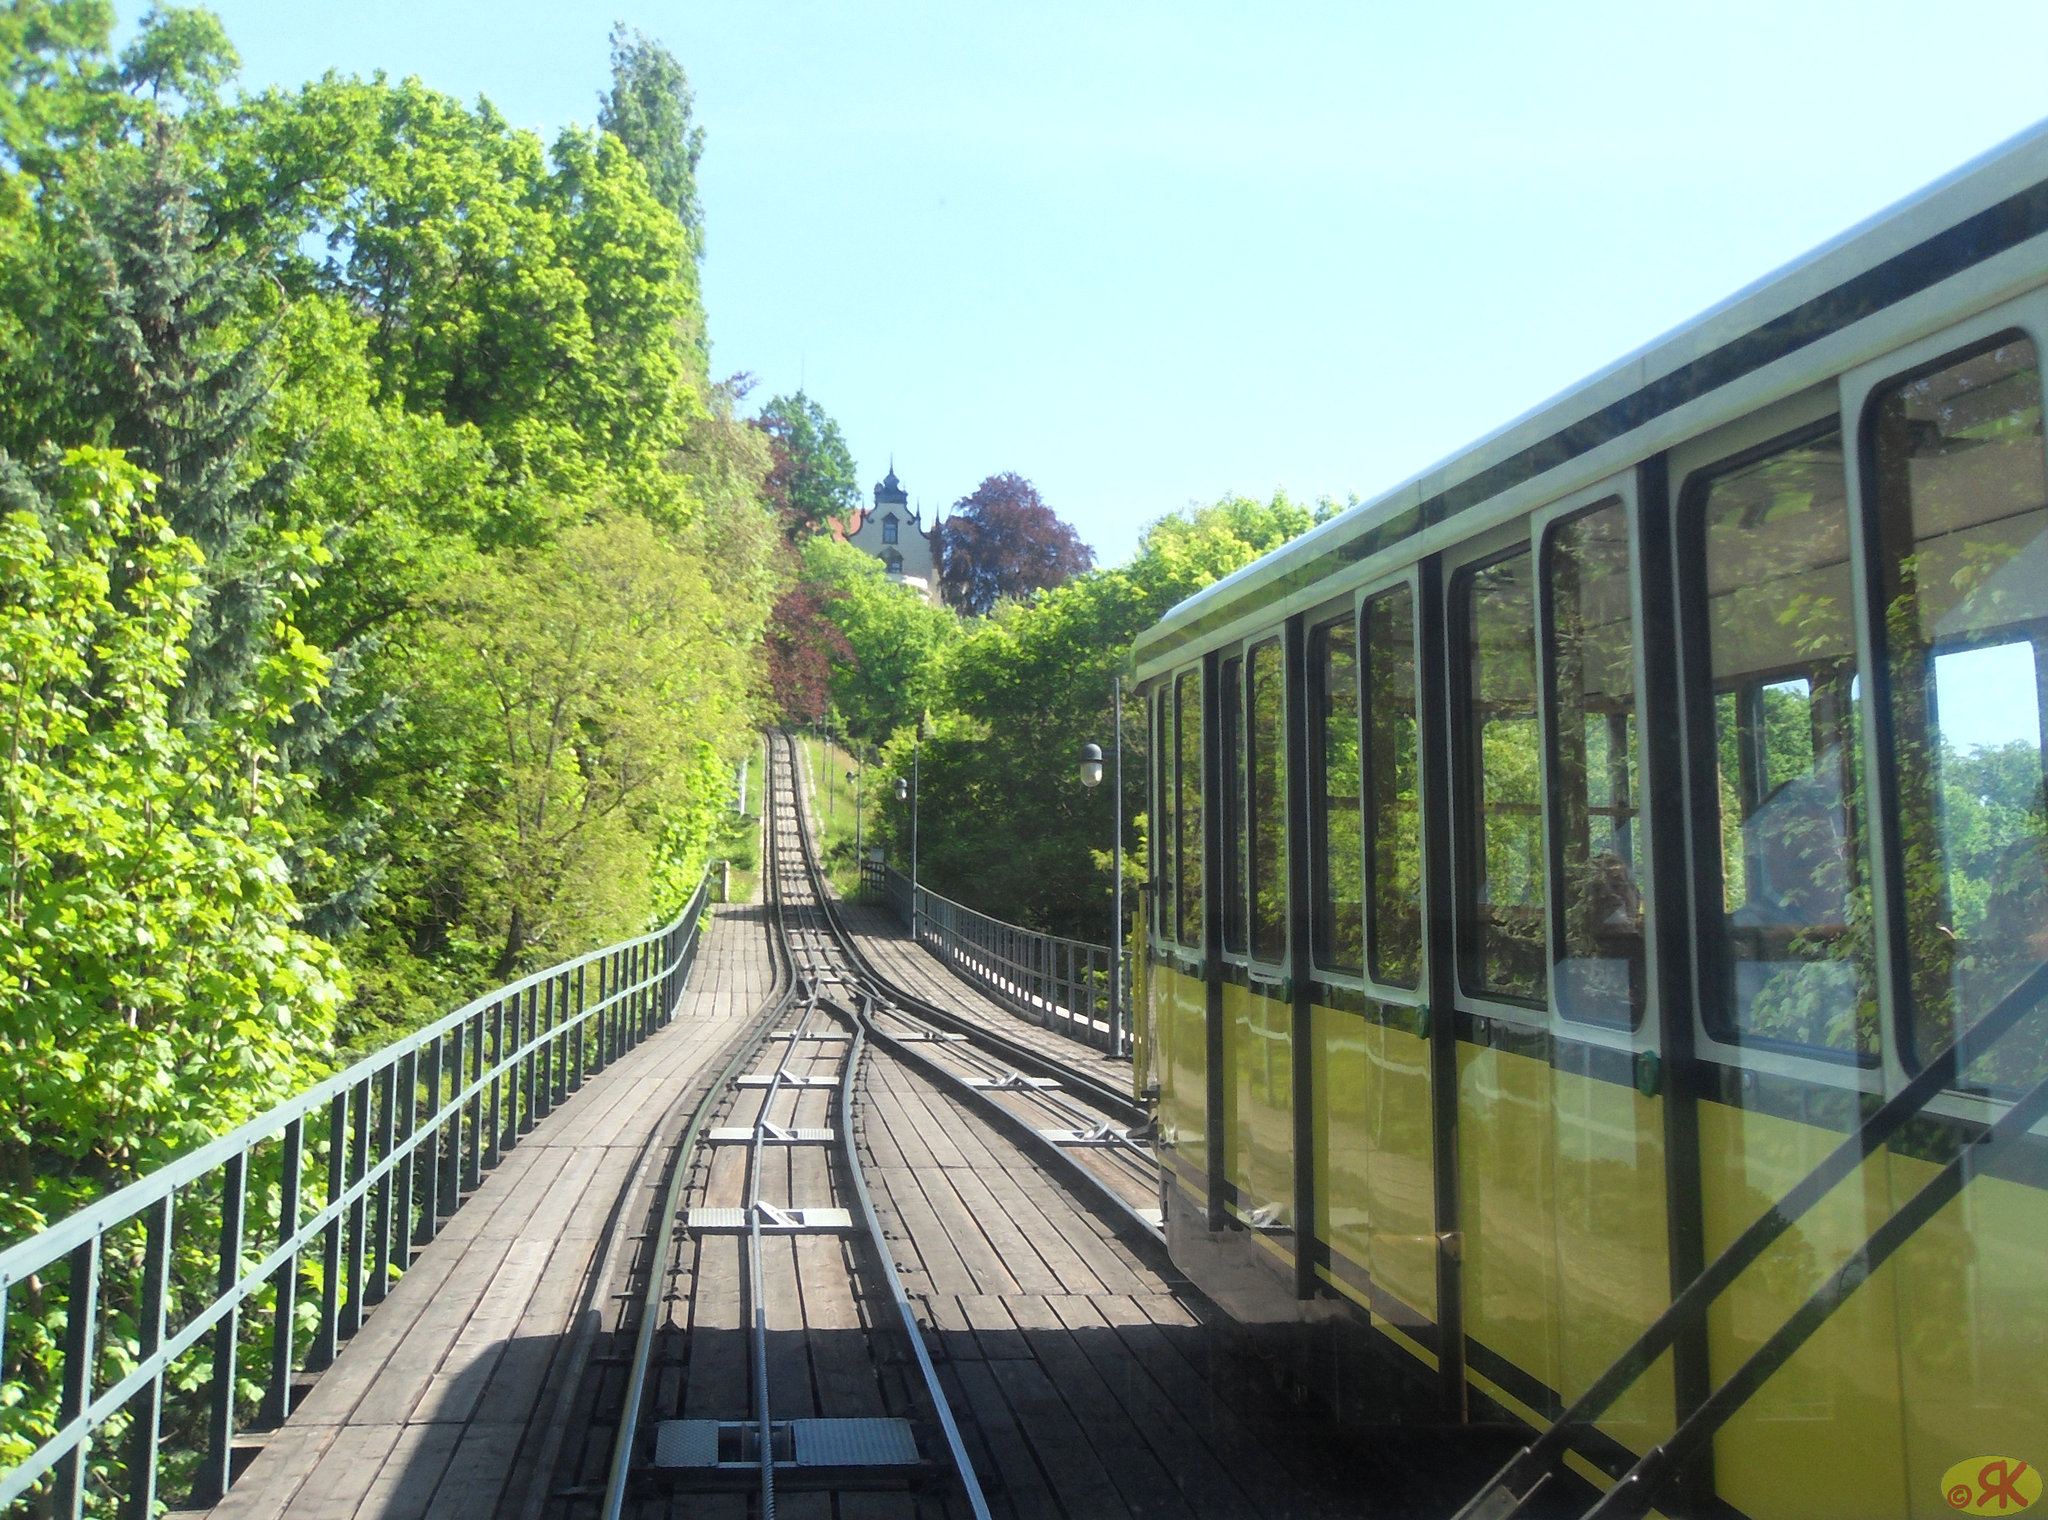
{"points": [[619, 1474], [906, 1313], [803, 972], [909, 1008]]}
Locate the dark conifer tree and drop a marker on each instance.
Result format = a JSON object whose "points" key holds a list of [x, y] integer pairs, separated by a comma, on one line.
{"points": [[186, 386]]}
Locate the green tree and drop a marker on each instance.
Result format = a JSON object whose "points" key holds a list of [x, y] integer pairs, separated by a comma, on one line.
{"points": [[648, 109], [1005, 825], [158, 987], [812, 477], [896, 641], [572, 665]]}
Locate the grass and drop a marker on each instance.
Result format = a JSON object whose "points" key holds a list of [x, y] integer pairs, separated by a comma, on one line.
{"points": [[832, 801]]}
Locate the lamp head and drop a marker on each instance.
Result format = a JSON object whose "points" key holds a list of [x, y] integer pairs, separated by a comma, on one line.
{"points": [[1091, 765], [902, 789]]}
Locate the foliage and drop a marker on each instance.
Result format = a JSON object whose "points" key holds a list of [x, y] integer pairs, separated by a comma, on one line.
{"points": [[570, 665], [648, 109], [813, 477], [1004, 541], [158, 988], [1005, 824], [896, 641]]}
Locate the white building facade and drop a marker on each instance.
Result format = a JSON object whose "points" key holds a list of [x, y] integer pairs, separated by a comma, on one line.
{"points": [[895, 535]]}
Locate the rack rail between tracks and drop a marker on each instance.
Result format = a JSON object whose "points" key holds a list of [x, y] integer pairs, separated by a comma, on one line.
{"points": [[407, 1130]]}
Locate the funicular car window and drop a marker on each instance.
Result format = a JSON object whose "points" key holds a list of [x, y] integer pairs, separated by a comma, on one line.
{"points": [[1162, 797], [1266, 809], [1789, 941], [1502, 935], [1336, 864], [1393, 811], [1961, 495], [1187, 752], [1595, 777], [1231, 698]]}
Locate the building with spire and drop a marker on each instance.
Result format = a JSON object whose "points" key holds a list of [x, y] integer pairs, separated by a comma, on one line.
{"points": [[895, 534]]}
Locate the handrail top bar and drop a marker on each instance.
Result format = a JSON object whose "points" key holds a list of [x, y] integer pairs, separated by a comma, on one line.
{"points": [[95, 1219], [1003, 923]]}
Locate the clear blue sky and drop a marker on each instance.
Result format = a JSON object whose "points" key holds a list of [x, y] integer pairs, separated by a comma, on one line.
{"points": [[1149, 254]]}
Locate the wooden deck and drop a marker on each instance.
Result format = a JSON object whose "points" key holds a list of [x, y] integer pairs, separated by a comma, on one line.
{"points": [[915, 969], [446, 1403]]}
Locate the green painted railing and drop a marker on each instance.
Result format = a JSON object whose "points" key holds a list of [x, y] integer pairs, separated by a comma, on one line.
{"points": [[407, 1131]]}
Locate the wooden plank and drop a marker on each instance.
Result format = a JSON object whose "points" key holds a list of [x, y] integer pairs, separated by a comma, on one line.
{"points": [[345, 1474], [460, 1381], [404, 1486], [288, 1458], [1076, 1474]]}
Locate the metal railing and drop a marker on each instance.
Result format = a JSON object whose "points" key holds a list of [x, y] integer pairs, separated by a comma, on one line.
{"points": [[162, 1286], [1060, 984]]}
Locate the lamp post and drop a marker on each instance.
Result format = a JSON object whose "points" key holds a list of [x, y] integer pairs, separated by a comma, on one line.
{"points": [[1091, 775], [853, 779]]}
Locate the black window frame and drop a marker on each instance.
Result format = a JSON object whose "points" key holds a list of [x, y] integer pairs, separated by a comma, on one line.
{"points": [[1467, 797], [1407, 587], [1713, 975], [1252, 649], [1232, 795], [1887, 856], [1553, 838], [1321, 900]]}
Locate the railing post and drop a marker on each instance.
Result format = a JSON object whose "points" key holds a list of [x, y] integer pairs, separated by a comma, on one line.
{"points": [[545, 1088], [474, 1172], [451, 1151], [408, 1122], [387, 1132], [501, 1128], [528, 1015], [147, 1430], [429, 1152], [327, 1339], [277, 1397], [580, 1039], [81, 1321], [216, 1469], [358, 1210]]}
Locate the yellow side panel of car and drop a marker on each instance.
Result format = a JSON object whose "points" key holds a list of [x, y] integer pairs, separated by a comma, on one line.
{"points": [[1344, 1144], [1258, 1046], [1183, 1066], [1974, 1357], [1402, 1172], [1375, 1189], [1822, 1439], [1508, 1187], [1613, 1260]]}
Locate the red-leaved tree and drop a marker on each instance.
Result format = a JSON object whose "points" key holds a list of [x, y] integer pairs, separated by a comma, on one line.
{"points": [[803, 644], [1005, 541]]}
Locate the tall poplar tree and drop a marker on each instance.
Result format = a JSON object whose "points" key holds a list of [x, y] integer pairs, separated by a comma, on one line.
{"points": [[648, 109]]}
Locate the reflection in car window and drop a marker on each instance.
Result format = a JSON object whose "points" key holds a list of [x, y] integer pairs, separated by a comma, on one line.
{"points": [[1187, 765], [1267, 806], [1793, 936], [1502, 938], [1595, 775], [1393, 809], [1339, 932], [1962, 512]]}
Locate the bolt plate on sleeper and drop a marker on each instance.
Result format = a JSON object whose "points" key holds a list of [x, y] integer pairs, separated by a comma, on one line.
{"points": [[789, 1079], [741, 1134], [774, 1221], [1014, 1082], [795, 1443]]}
